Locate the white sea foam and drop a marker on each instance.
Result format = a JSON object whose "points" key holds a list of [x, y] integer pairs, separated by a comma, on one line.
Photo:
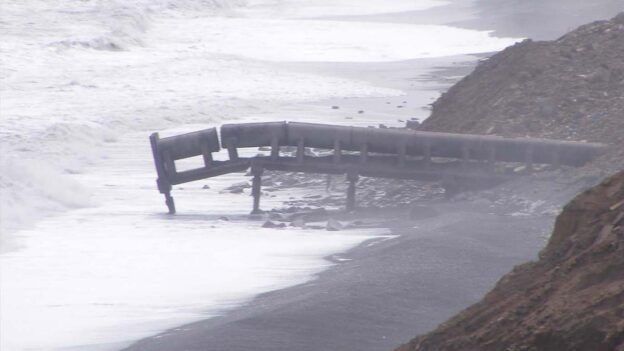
{"points": [[320, 8], [83, 83], [122, 270], [321, 40]]}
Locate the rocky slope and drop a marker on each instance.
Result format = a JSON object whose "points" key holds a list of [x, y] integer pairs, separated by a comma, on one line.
{"points": [[572, 298], [571, 88]]}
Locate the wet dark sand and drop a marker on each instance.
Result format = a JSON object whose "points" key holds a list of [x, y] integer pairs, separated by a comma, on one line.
{"points": [[388, 292], [384, 294]]}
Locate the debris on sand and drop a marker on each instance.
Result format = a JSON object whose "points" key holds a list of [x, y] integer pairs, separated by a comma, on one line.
{"points": [[271, 224], [298, 222], [334, 225], [419, 212], [238, 187]]}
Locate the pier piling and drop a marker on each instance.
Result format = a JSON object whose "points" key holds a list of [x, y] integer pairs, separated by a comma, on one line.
{"points": [[352, 178], [256, 188]]}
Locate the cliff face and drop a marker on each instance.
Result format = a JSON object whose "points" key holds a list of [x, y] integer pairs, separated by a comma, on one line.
{"points": [[572, 298], [571, 88]]}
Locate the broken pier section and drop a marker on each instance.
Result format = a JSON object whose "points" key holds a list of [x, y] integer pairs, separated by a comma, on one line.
{"points": [[354, 152]]}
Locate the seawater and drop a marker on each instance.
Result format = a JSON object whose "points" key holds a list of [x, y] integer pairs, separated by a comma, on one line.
{"points": [[89, 260]]}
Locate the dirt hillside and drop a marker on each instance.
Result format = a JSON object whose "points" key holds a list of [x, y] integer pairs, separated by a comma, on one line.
{"points": [[571, 299], [571, 88]]}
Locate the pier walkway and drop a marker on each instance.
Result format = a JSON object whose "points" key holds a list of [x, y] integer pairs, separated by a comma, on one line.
{"points": [[355, 152]]}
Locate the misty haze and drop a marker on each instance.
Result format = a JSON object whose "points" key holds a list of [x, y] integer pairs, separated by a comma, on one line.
{"points": [[312, 175]]}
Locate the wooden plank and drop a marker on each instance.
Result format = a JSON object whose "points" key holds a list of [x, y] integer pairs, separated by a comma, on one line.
{"points": [[190, 144], [216, 170]]}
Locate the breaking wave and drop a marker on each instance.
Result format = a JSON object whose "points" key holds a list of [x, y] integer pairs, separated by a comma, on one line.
{"points": [[34, 180], [101, 43]]}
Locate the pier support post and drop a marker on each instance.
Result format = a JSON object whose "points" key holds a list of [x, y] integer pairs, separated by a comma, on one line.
{"points": [[207, 155], [427, 154], [402, 154], [275, 148], [337, 152], [352, 177], [363, 154], [465, 150], [163, 184], [556, 158], [169, 202], [256, 188], [232, 150], [300, 150], [528, 160], [491, 161]]}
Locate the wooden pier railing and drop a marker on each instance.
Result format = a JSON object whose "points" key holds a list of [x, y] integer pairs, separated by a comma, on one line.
{"points": [[354, 151]]}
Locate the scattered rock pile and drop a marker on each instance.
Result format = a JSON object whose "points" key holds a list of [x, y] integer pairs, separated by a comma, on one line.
{"points": [[371, 192], [572, 298], [571, 88]]}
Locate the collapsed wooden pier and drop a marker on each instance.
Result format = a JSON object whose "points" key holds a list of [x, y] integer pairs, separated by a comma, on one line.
{"points": [[354, 152]]}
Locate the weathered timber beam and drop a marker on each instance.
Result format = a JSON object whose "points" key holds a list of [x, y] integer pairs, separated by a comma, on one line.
{"points": [[422, 144], [254, 134], [377, 166], [190, 144], [374, 152], [164, 186], [218, 168]]}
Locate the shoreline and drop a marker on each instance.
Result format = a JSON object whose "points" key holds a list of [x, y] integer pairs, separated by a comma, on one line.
{"points": [[343, 265], [373, 297], [380, 293], [427, 78], [544, 20]]}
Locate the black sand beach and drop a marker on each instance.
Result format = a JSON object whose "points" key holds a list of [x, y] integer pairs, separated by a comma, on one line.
{"points": [[382, 293]]}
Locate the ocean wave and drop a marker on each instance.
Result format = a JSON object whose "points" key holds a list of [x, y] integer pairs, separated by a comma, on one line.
{"points": [[33, 189], [114, 26], [118, 25], [36, 181], [201, 5], [102, 43]]}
